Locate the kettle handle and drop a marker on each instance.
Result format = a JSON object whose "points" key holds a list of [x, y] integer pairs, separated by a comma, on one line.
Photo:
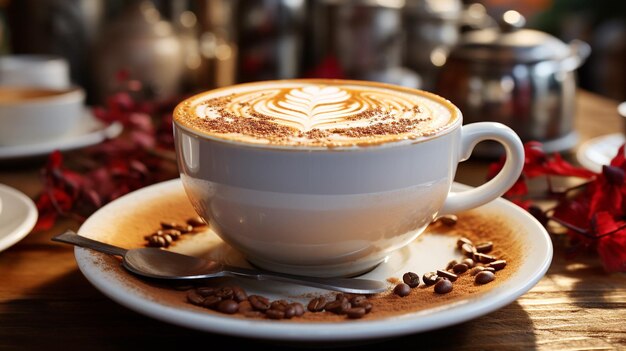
{"points": [[579, 53]]}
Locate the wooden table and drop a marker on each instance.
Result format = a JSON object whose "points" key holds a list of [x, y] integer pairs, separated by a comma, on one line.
{"points": [[47, 304]]}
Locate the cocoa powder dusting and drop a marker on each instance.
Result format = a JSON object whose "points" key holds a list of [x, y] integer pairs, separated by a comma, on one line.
{"points": [[129, 229]]}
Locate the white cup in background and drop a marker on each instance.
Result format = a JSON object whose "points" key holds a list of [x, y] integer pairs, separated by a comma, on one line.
{"points": [[48, 71]]}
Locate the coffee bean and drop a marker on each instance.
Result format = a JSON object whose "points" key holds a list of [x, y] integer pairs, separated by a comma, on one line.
{"points": [[357, 300], [468, 250], [259, 303], [194, 297], [196, 222], [443, 286], [497, 265], [430, 278], [402, 290], [338, 306], [489, 269], [460, 268], [476, 270], [239, 294], [206, 291], [168, 225], [168, 239], [484, 247], [367, 305], [355, 312], [228, 306], [275, 314], [225, 293], [183, 228], [462, 241], [246, 309], [411, 279], [484, 258], [289, 312], [448, 220], [280, 305], [157, 241], [298, 308], [317, 304], [468, 262], [211, 301], [451, 264], [173, 233], [445, 274], [484, 277]]}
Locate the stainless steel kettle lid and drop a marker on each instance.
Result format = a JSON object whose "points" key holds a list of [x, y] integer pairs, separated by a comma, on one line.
{"points": [[510, 43]]}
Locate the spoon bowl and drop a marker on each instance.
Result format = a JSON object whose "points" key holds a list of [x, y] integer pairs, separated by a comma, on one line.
{"points": [[162, 264]]}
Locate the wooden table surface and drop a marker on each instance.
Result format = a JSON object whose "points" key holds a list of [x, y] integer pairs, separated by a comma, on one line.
{"points": [[47, 304]]}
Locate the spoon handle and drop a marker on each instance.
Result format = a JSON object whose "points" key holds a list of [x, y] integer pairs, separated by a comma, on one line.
{"points": [[347, 285], [70, 237]]}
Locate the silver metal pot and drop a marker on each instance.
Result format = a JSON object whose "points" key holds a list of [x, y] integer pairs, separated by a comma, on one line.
{"points": [[520, 77]]}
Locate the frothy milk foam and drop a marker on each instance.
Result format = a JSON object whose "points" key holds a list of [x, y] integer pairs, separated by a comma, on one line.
{"points": [[316, 113]]}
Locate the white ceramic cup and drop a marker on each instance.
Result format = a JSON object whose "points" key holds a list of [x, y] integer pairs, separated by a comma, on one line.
{"points": [[334, 211], [36, 115], [30, 70]]}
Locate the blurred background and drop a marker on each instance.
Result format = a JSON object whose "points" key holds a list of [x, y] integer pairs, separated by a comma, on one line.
{"points": [[182, 46]]}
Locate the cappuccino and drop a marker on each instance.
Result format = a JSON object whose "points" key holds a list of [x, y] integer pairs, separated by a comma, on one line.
{"points": [[316, 113]]}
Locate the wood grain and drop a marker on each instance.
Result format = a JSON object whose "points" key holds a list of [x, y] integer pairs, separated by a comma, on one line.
{"points": [[47, 304]]}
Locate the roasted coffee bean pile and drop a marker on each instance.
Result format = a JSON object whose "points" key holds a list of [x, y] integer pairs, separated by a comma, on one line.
{"points": [[353, 306], [233, 299], [172, 231], [477, 262]]}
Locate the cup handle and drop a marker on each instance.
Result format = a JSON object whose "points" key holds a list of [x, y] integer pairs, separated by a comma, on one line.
{"points": [[472, 134]]}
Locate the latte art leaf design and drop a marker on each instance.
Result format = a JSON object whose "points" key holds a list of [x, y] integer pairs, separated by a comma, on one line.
{"points": [[310, 107]]}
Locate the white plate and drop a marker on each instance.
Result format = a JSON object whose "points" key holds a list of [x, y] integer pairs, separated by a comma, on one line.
{"points": [[599, 151], [18, 215], [428, 251], [89, 131]]}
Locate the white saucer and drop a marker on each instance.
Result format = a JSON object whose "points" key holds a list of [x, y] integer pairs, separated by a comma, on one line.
{"points": [[430, 250], [89, 131], [18, 215], [599, 151]]}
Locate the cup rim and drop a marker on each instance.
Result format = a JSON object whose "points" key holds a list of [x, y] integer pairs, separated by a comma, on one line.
{"points": [[456, 114]]}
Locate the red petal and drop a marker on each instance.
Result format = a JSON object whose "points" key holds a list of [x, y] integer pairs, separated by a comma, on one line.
{"points": [[612, 251]]}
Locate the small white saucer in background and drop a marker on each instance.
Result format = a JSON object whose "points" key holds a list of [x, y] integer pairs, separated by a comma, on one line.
{"points": [[17, 216], [599, 151], [89, 131]]}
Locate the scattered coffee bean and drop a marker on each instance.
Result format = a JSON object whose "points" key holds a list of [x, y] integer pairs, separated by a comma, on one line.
{"points": [[175, 234], [246, 309], [462, 241], [449, 220], [275, 314], [460, 268], [298, 308], [211, 301], [228, 306], [484, 277], [451, 264], [443, 286], [489, 269], [338, 306], [476, 270], [357, 300], [430, 278], [355, 312], [280, 305], [411, 279], [468, 262], [468, 250], [205, 291], [484, 247], [402, 290], [226, 293], [289, 312], [497, 265], [194, 297], [447, 275], [196, 222], [484, 258], [317, 304], [259, 303], [239, 294]]}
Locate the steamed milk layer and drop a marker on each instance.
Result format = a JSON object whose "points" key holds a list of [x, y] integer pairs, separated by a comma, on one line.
{"points": [[316, 113]]}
